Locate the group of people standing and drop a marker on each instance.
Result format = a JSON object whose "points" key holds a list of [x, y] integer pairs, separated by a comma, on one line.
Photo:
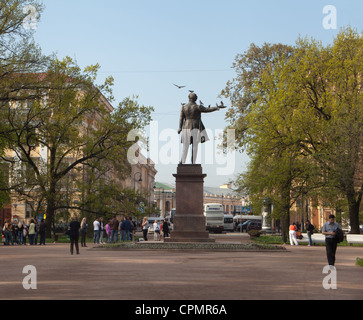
{"points": [[113, 228], [294, 229], [126, 228], [160, 230], [17, 232], [76, 228]]}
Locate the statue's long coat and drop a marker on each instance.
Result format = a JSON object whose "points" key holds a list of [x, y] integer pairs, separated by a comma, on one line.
{"points": [[191, 122]]}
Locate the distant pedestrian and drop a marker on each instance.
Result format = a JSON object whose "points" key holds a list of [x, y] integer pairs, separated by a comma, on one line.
{"points": [[20, 233], [8, 233], [132, 229], [83, 232], [156, 228], [37, 225], [309, 230], [32, 232], [123, 229], [331, 242], [101, 229], [14, 230], [292, 234], [108, 231], [114, 229], [42, 230], [25, 232], [161, 229], [145, 228], [74, 227], [96, 231], [166, 229]]}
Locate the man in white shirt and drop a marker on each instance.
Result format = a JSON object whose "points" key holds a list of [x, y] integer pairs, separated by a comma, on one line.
{"points": [[96, 229]]}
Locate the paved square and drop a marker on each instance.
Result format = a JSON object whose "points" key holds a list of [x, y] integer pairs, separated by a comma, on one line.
{"points": [[178, 275]]}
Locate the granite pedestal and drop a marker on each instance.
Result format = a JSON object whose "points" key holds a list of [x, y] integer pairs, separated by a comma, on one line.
{"points": [[189, 221]]}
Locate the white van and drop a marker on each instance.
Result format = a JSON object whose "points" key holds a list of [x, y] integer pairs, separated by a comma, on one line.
{"points": [[228, 222], [214, 217]]}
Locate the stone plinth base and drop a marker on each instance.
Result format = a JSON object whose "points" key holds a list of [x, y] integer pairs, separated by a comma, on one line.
{"points": [[189, 221]]}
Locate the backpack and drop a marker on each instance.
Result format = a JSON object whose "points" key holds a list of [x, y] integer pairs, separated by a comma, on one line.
{"points": [[312, 228], [339, 234]]}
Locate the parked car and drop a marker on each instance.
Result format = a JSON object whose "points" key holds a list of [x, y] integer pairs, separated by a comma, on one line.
{"points": [[256, 225]]}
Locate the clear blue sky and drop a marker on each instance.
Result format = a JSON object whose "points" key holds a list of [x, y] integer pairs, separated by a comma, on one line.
{"points": [[147, 45]]}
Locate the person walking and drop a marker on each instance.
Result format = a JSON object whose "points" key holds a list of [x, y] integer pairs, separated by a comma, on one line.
{"points": [[132, 230], [166, 229], [42, 230], [108, 231], [25, 232], [292, 234], [15, 231], [156, 228], [101, 229], [145, 228], [309, 230], [20, 233], [74, 227], [114, 229], [96, 231], [31, 232], [331, 242], [83, 232], [161, 230], [8, 233], [37, 225], [123, 229]]}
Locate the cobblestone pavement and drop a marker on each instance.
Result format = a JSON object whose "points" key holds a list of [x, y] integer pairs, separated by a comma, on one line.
{"points": [[296, 273]]}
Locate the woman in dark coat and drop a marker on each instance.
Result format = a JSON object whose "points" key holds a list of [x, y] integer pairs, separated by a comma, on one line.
{"points": [[74, 234]]}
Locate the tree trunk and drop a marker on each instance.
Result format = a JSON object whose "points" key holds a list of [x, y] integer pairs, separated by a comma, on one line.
{"points": [[354, 206], [50, 211], [285, 223], [285, 214]]}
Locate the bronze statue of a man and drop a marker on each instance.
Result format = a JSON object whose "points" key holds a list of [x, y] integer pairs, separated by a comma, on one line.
{"points": [[191, 126]]}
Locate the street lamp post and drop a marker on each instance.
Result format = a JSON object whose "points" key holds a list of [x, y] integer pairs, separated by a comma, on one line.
{"points": [[140, 180], [222, 202]]}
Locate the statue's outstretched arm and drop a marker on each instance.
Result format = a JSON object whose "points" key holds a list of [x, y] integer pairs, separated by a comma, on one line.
{"points": [[209, 109]]}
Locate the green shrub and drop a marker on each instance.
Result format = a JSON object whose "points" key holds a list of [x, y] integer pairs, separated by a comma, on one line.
{"points": [[359, 262]]}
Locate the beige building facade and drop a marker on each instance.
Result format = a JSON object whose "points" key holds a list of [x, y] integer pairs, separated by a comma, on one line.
{"points": [[141, 179], [165, 198]]}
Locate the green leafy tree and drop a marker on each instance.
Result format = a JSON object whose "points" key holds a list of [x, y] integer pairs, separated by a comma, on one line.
{"points": [[328, 82], [19, 55], [300, 119], [74, 125], [262, 128]]}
